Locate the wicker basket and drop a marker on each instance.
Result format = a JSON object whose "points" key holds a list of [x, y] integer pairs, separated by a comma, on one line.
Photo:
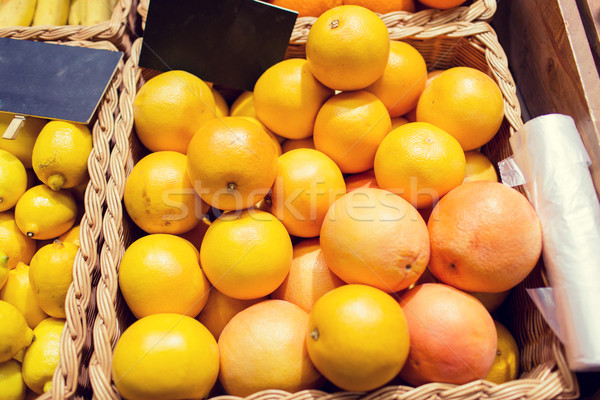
{"points": [[544, 371], [70, 377], [112, 30]]}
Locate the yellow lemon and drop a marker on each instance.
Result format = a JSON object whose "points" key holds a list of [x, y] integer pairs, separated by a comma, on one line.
{"points": [[14, 331], [13, 242], [358, 337], [3, 268], [243, 106], [246, 255], [161, 274], [42, 357], [22, 146], [71, 236], [13, 180], [12, 386], [18, 292], [165, 356], [221, 107], [479, 168], [51, 274], [42, 213], [506, 363], [170, 108], [61, 153]]}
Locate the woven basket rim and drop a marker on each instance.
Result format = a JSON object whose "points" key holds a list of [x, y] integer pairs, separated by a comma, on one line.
{"points": [[111, 30], [479, 10], [557, 380], [76, 330]]}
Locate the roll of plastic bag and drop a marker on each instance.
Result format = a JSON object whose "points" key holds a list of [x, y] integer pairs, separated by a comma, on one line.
{"points": [[549, 159]]}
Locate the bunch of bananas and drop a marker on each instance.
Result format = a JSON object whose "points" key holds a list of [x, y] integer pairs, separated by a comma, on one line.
{"points": [[54, 12]]}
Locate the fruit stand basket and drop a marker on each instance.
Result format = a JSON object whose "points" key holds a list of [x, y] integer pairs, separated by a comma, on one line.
{"points": [[112, 30], [79, 304], [479, 10], [544, 370]]}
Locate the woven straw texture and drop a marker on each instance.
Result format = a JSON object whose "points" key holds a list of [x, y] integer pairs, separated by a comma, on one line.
{"points": [[71, 376], [112, 30], [544, 371], [479, 10]]}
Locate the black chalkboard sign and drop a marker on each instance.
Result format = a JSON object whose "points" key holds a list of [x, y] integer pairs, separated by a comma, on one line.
{"points": [[53, 81], [229, 42]]}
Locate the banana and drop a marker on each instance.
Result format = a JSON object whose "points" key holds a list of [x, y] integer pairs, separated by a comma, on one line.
{"points": [[96, 11], [75, 12], [51, 12], [16, 12]]}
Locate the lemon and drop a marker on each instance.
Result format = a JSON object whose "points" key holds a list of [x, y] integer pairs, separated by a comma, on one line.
{"points": [[12, 386], [13, 180], [243, 106], [71, 236], [42, 213], [22, 146], [14, 331], [3, 268], [13, 242], [60, 154], [506, 363], [161, 274], [165, 356], [42, 357], [358, 337], [18, 292], [51, 274]]}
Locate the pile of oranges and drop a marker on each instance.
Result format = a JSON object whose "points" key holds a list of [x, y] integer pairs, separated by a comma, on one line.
{"points": [[287, 238]]}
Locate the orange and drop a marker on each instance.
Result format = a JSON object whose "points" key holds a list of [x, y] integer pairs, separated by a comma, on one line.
{"points": [[419, 162], [403, 80], [307, 8], [196, 235], [232, 163], [159, 196], [411, 116], [287, 98], [273, 136], [246, 255], [309, 277], [479, 168], [506, 363], [398, 122], [161, 274], [358, 337], [487, 237], [170, 108], [307, 183], [442, 4], [363, 180], [219, 310], [384, 6], [221, 107], [264, 347], [349, 128], [356, 245], [347, 48], [452, 336], [464, 102], [291, 144], [243, 106], [16, 245]]}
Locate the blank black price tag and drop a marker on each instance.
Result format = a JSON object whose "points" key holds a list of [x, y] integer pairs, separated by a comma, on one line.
{"points": [[54, 81], [229, 42]]}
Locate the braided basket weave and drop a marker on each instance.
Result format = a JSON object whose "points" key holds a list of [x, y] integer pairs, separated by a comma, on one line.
{"points": [[544, 371], [112, 30], [70, 377]]}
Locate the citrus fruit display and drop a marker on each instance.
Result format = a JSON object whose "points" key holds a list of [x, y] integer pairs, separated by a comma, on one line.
{"points": [[358, 337], [152, 355], [355, 240], [307, 183], [264, 347], [452, 336], [487, 237]]}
